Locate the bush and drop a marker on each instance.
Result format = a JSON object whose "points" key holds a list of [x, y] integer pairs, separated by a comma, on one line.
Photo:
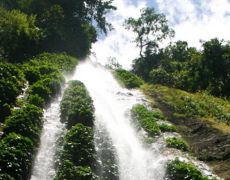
{"points": [[146, 119], [191, 105], [41, 90], [167, 128], [11, 84], [177, 143], [160, 76], [26, 121], [79, 146], [128, 79], [77, 106], [68, 171], [16, 156], [64, 62], [36, 100], [180, 170], [78, 155]]}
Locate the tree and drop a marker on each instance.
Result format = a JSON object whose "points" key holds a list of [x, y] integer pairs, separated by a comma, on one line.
{"points": [[69, 25], [150, 29], [18, 35]]}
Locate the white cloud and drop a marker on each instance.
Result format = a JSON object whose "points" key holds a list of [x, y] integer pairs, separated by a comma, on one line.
{"points": [[118, 43], [195, 20], [192, 20]]}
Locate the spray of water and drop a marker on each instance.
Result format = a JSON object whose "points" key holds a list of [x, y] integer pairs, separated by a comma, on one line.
{"points": [[113, 104], [44, 165]]}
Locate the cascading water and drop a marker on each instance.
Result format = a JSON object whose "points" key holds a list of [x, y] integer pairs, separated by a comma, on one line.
{"points": [[113, 104], [44, 165]]}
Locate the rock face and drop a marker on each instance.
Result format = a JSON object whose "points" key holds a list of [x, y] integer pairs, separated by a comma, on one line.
{"points": [[207, 143]]}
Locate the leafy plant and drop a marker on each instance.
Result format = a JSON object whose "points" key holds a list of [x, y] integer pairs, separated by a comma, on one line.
{"points": [[16, 156], [127, 78], [146, 119], [167, 128], [11, 84], [177, 143], [76, 105], [177, 169], [26, 122]]}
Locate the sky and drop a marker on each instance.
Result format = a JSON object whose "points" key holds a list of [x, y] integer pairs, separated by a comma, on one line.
{"points": [[192, 20]]}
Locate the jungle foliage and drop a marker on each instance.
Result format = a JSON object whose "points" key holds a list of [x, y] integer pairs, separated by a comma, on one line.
{"points": [[77, 105], [45, 25], [77, 159]]}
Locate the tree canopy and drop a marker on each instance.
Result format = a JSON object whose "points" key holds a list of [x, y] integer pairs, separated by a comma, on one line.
{"points": [[150, 29], [66, 26]]}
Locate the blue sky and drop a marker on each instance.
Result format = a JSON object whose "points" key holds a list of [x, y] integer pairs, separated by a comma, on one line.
{"points": [[192, 20]]}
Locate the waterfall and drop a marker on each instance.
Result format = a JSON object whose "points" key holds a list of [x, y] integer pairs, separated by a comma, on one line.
{"points": [[44, 165], [112, 110]]}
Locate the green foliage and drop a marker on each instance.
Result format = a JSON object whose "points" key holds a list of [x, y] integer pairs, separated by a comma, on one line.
{"points": [[127, 78], [180, 170], [16, 156], [41, 90], [64, 62], [78, 156], [146, 119], [76, 105], [160, 76], [177, 143], [79, 146], [167, 128], [36, 100], [26, 122], [6, 177], [188, 69], [151, 28], [11, 84], [68, 171], [191, 105], [17, 28], [67, 26]]}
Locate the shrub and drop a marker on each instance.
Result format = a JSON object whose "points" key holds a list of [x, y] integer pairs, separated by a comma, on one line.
{"points": [[11, 84], [16, 156], [79, 146], [146, 119], [36, 100], [63, 61], [128, 79], [180, 170], [26, 121], [191, 105], [6, 177], [78, 155], [177, 143], [167, 128], [68, 171], [41, 90], [76, 105], [160, 76]]}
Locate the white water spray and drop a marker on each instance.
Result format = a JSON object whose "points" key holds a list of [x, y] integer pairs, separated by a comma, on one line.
{"points": [[113, 104], [44, 165]]}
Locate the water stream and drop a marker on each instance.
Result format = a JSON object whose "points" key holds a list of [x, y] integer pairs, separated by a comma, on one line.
{"points": [[44, 165], [113, 104]]}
